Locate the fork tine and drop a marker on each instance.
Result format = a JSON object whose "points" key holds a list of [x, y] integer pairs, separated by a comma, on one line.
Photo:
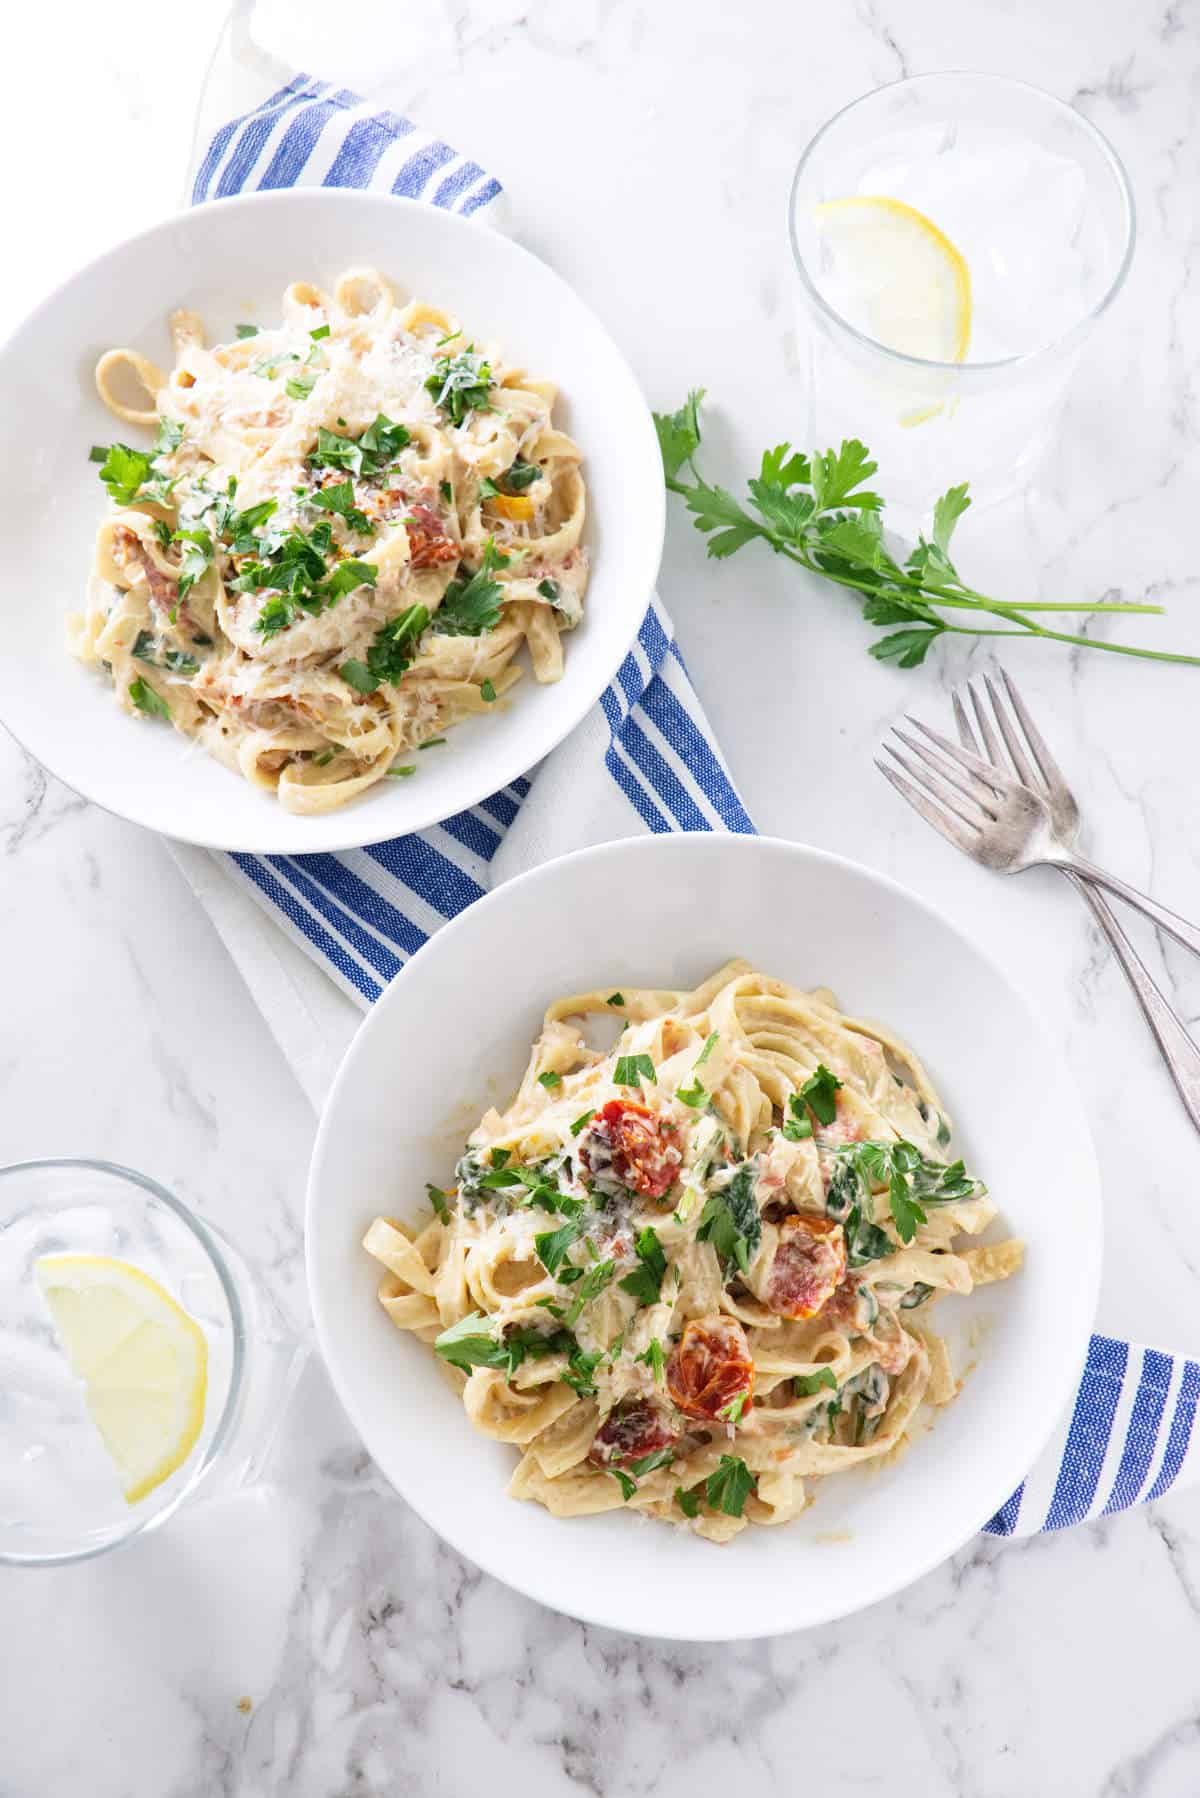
{"points": [[966, 735], [992, 777], [1051, 772], [991, 745], [954, 833], [937, 792], [979, 795], [1012, 743]]}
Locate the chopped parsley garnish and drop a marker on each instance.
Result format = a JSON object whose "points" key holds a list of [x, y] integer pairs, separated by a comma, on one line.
{"points": [[246, 330], [369, 454], [124, 472], [728, 1488], [196, 559], [659, 1457], [591, 1286], [431, 743], [615, 999], [339, 498], [447, 492], [819, 1093], [799, 1125], [174, 659], [400, 771], [147, 700], [440, 1202], [549, 590], [632, 1070], [709, 1045], [628, 1486], [654, 1357], [521, 475], [688, 1503], [805, 1384], [549, 1079], [645, 1283], [582, 1121], [459, 384], [731, 1413], [731, 1222], [551, 1246], [271, 365], [471, 603], [295, 566], [470, 1343], [693, 1095], [912, 1180], [580, 1368], [320, 332], [487, 692], [298, 387], [391, 653]]}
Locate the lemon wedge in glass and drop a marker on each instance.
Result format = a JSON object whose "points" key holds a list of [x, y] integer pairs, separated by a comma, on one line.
{"points": [[143, 1362], [894, 275]]}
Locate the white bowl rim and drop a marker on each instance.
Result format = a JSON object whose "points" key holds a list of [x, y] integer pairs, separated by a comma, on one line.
{"points": [[506, 768], [1088, 1270]]}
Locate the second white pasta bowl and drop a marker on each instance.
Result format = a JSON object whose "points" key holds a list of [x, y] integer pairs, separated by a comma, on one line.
{"points": [[450, 1038], [230, 262]]}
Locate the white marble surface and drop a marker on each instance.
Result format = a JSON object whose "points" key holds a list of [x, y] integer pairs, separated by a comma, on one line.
{"points": [[374, 1660]]}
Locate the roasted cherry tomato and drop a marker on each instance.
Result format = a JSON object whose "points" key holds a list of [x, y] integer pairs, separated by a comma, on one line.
{"points": [[808, 1266], [638, 1148], [710, 1368], [634, 1428]]}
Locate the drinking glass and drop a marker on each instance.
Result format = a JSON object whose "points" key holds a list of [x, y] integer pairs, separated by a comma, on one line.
{"points": [[60, 1499], [1038, 207]]}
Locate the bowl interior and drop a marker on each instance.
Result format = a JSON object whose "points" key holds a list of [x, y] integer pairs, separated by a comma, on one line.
{"points": [[450, 1036], [230, 261]]}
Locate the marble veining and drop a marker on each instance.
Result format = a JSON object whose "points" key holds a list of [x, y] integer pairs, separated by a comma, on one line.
{"points": [[312, 1637]]}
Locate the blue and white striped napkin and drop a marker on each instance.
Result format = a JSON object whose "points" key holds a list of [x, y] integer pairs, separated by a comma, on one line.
{"points": [[307, 929]]}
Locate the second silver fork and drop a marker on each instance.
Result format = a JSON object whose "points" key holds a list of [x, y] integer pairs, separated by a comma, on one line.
{"points": [[1039, 775]]}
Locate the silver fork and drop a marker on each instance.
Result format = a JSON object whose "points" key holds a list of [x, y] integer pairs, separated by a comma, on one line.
{"points": [[1009, 825]]}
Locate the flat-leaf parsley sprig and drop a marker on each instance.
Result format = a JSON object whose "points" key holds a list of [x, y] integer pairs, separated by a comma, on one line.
{"points": [[817, 511]]}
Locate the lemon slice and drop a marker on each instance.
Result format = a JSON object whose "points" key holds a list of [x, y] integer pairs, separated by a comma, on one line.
{"points": [[897, 276], [143, 1360]]}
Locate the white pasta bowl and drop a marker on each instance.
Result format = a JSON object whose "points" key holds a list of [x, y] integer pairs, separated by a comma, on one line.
{"points": [[450, 1037], [230, 261]]}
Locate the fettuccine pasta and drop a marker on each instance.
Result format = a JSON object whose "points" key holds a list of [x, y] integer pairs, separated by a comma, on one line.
{"points": [[692, 1273], [345, 530]]}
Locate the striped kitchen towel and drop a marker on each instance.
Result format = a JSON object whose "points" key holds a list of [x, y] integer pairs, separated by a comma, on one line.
{"points": [[645, 760]]}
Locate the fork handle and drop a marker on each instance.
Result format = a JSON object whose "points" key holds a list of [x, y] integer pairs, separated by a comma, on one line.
{"points": [[1170, 921], [1178, 1050]]}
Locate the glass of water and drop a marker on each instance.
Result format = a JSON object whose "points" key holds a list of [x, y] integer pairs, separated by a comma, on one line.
{"points": [[60, 1496], [956, 238]]}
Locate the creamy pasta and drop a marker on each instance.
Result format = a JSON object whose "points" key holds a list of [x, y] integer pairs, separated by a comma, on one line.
{"points": [[345, 529], [691, 1273]]}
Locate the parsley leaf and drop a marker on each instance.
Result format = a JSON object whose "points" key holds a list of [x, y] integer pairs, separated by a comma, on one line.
{"points": [[709, 1045], [389, 656], [580, 1368], [196, 559], [819, 1093], [549, 1079], [582, 1121], [471, 603], [730, 1485], [487, 692], [551, 1245], [123, 470], [628, 1486], [655, 1358], [659, 1457], [688, 1503], [731, 1220], [615, 999], [147, 700], [339, 498], [471, 1343], [645, 1283], [320, 332], [632, 1070], [298, 387], [439, 1200], [459, 384], [591, 1286], [805, 1384], [693, 1095], [247, 330]]}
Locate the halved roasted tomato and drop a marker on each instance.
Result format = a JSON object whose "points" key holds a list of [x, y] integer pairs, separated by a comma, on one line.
{"points": [[637, 1147], [710, 1368], [808, 1265], [632, 1429]]}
